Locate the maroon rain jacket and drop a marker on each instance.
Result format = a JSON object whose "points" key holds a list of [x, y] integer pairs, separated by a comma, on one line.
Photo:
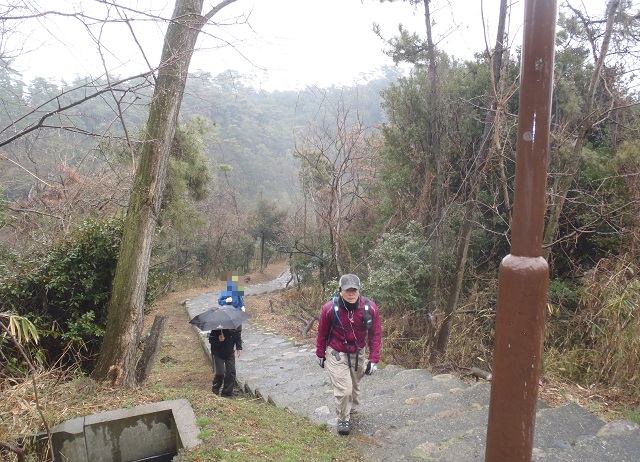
{"points": [[330, 332]]}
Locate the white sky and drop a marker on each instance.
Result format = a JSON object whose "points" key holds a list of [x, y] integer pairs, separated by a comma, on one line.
{"points": [[287, 44]]}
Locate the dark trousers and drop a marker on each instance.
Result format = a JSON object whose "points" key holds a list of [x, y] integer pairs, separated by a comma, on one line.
{"points": [[224, 374]]}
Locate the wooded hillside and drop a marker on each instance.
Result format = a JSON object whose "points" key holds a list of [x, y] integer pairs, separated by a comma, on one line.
{"points": [[407, 181]]}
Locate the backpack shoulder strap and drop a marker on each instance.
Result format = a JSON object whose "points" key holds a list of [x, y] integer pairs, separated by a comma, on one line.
{"points": [[335, 319], [366, 315], [335, 309]]}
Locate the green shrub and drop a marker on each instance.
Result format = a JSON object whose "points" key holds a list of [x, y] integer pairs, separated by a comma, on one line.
{"points": [[399, 274], [65, 292]]}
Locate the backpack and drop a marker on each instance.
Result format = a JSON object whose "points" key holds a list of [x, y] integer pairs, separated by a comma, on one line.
{"points": [[366, 315], [367, 320]]}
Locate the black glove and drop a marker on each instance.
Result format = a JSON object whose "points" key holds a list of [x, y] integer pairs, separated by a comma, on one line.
{"points": [[371, 368], [321, 360]]}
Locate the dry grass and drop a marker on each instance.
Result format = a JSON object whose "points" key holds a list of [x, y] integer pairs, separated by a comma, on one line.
{"points": [[598, 347], [62, 396]]}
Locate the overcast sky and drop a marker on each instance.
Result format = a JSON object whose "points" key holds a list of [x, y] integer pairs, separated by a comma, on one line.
{"points": [[286, 44]]}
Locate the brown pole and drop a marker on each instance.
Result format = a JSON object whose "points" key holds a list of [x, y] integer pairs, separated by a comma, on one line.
{"points": [[524, 274]]}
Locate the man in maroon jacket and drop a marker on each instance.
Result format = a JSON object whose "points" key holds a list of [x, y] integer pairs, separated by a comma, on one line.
{"points": [[348, 325]]}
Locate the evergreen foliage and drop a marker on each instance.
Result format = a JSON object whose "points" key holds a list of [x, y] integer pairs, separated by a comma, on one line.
{"points": [[266, 226], [399, 275], [65, 292]]}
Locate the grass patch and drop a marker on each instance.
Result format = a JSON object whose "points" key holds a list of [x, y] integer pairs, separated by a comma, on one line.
{"points": [[248, 429], [205, 434], [633, 415]]}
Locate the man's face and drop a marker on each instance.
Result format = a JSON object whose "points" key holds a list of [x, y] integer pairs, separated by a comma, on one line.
{"points": [[350, 295]]}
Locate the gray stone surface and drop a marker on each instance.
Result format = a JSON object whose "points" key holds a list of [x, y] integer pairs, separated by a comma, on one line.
{"points": [[409, 414], [615, 442], [67, 440], [140, 432], [564, 425]]}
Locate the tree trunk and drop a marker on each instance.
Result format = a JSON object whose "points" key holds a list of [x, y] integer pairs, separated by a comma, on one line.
{"points": [[151, 348], [444, 331], [563, 183], [464, 239], [434, 156], [125, 316]]}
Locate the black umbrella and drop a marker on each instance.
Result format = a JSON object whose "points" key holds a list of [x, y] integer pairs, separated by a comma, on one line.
{"points": [[226, 317]]}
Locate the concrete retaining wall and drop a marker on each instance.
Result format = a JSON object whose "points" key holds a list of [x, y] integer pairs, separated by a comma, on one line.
{"points": [[141, 432]]}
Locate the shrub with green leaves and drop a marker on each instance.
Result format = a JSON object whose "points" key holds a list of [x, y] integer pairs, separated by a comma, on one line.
{"points": [[66, 291], [400, 270]]}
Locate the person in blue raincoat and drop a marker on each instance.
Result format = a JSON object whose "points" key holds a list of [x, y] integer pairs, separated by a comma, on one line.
{"points": [[234, 295]]}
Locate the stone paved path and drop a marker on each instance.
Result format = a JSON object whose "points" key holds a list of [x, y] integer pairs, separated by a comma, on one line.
{"points": [[409, 414]]}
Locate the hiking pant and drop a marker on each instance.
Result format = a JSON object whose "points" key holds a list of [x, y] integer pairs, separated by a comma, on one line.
{"points": [[224, 374], [345, 380]]}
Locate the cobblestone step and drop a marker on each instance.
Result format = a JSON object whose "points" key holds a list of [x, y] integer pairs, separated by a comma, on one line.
{"points": [[411, 415]]}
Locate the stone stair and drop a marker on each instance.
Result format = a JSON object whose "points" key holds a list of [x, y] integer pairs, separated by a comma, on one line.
{"points": [[412, 415]]}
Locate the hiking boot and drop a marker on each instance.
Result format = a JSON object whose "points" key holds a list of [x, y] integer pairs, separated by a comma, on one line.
{"points": [[216, 391], [343, 427]]}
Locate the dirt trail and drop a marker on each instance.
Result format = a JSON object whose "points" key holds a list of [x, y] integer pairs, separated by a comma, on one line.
{"points": [[181, 344]]}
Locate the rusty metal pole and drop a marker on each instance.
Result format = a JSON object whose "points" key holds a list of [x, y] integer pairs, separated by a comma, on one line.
{"points": [[524, 273]]}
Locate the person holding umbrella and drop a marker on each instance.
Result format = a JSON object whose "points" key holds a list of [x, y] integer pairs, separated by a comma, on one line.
{"points": [[225, 338], [224, 344]]}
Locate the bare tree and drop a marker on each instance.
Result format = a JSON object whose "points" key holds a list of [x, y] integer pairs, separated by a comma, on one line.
{"points": [[495, 107], [117, 360], [572, 142], [335, 165]]}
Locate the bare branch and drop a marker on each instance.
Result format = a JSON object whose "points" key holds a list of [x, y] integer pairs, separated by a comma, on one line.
{"points": [[61, 108]]}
